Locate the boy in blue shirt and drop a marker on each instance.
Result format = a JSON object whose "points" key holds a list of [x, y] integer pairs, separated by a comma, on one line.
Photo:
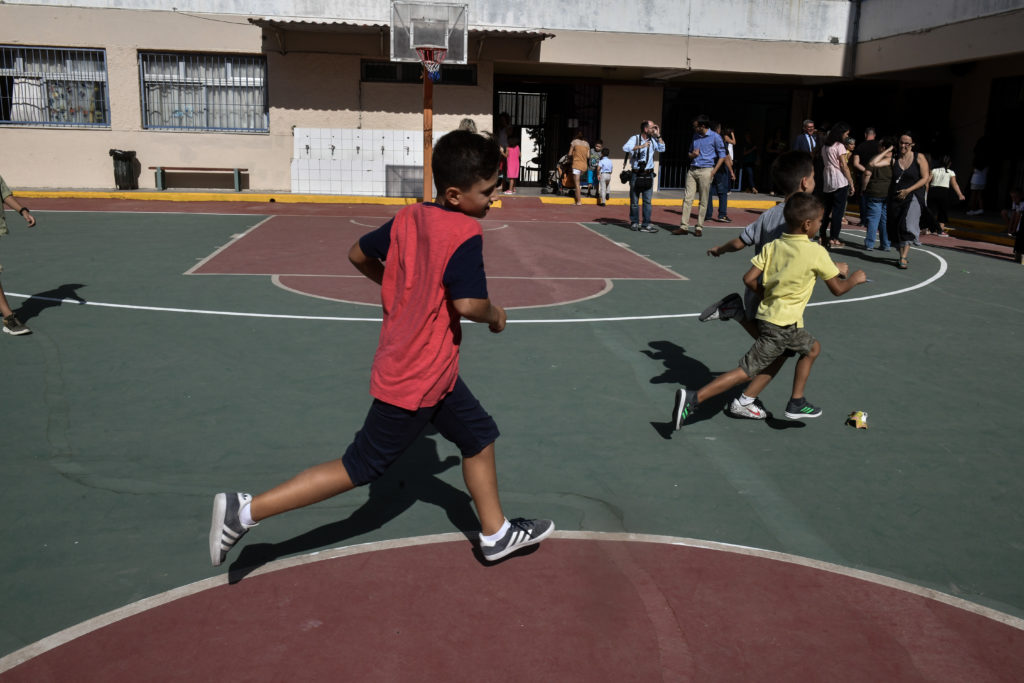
{"points": [[605, 168]]}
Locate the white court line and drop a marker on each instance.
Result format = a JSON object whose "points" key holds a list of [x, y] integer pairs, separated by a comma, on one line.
{"points": [[84, 628], [943, 267]]}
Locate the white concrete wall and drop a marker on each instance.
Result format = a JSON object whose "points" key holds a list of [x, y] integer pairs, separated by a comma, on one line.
{"points": [[948, 34], [814, 21], [884, 18]]}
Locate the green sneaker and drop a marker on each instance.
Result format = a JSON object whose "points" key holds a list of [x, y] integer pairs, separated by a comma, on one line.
{"points": [[686, 404], [800, 409]]}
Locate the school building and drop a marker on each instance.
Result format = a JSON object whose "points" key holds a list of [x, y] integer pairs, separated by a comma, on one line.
{"points": [[301, 96]]}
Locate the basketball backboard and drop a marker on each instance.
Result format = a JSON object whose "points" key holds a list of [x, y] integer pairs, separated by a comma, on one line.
{"points": [[419, 24]]}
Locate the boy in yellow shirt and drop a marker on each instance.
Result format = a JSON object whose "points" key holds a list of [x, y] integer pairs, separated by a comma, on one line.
{"points": [[790, 266]]}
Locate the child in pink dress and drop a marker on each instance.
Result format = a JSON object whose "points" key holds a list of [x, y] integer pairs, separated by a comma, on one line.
{"points": [[513, 164]]}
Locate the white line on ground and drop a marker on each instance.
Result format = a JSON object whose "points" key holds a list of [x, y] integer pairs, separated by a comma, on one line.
{"points": [[943, 267]]}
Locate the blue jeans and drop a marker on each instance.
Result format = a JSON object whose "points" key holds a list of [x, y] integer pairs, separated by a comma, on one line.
{"points": [[634, 199], [874, 212], [719, 187]]}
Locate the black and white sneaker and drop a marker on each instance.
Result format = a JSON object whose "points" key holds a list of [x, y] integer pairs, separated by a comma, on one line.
{"points": [[726, 308], [800, 409], [521, 533], [13, 326], [685, 406], [635, 227], [226, 528], [648, 228]]}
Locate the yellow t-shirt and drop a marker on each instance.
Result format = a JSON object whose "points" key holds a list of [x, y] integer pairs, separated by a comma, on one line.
{"points": [[791, 265]]}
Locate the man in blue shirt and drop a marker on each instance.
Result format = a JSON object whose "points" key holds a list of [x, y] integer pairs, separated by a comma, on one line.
{"points": [[640, 151], [707, 154]]}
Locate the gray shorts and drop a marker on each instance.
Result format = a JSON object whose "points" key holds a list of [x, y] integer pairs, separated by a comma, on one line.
{"points": [[772, 342]]}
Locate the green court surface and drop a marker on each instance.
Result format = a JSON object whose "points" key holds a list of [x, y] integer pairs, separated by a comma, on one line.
{"points": [[119, 423]]}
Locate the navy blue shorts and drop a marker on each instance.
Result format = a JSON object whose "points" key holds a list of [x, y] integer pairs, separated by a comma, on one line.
{"points": [[389, 431]]}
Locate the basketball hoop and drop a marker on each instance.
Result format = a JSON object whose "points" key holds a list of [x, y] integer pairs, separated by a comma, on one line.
{"points": [[432, 58]]}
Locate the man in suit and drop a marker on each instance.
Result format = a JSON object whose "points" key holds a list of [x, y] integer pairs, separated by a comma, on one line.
{"points": [[806, 141]]}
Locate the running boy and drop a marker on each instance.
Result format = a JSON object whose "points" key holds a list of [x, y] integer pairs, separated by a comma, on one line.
{"points": [[434, 275], [783, 273], [791, 171]]}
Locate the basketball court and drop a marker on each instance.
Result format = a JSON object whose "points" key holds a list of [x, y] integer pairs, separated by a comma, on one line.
{"points": [[182, 349]]}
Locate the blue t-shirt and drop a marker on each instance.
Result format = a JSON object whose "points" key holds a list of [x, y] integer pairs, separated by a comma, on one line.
{"points": [[710, 148]]}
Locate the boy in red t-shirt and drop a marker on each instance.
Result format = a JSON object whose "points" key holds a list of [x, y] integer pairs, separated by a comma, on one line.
{"points": [[434, 276]]}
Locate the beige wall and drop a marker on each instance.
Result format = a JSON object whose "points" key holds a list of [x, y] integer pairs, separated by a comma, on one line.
{"points": [[623, 107], [965, 41], [656, 53], [79, 158], [307, 88]]}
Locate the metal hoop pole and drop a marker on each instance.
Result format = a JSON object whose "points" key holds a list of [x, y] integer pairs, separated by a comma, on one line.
{"points": [[428, 135]]}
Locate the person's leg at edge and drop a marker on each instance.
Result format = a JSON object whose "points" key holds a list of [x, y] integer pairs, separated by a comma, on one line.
{"points": [[803, 371], [723, 195], [704, 188], [634, 209], [577, 180], [870, 215], [5, 308], [722, 383], [828, 199], [313, 485], [688, 194], [760, 381], [883, 227], [481, 477], [838, 212]]}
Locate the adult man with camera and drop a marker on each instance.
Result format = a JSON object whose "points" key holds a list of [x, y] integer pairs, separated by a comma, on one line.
{"points": [[707, 154], [639, 161]]}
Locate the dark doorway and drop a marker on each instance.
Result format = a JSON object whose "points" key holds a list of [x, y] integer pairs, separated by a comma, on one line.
{"points": [[762, 111], [546, 115]]}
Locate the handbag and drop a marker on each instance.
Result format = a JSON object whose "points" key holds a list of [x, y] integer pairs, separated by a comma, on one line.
{"points": [[625, 175], [643, 181]]}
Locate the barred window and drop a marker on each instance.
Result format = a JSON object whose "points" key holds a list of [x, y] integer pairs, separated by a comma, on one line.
{"points": [[377, 71], [45, 86], [204, 92]]}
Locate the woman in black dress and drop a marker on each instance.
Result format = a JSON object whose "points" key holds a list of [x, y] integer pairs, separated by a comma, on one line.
{"points": [[906, 194]]}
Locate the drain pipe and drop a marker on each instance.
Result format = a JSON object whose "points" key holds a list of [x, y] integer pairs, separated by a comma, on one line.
{"points": [[854, 40]]}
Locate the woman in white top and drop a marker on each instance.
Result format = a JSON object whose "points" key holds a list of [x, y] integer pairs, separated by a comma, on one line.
{"points": [[940, 188], [838, 184]]}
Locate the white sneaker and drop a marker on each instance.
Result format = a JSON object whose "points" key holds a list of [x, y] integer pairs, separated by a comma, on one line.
{"points": [[754, 411]]}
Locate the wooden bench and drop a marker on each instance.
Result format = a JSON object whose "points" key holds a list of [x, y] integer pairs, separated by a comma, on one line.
{"points": [[161, 183]]}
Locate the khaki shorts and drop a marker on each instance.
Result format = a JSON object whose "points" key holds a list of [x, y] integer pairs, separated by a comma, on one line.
{"points": [[772, 342]]}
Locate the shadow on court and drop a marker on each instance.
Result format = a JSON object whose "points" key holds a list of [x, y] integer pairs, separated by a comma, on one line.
{"points": [[686, 371], [40, 301], [412, 478]]}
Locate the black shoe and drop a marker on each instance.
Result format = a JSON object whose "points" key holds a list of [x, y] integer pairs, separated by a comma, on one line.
{"points": [[730, 306], [226, 529], [521, 533]]}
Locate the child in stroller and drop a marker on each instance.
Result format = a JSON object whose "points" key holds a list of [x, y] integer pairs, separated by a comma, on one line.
{"points": [[560, 179]]}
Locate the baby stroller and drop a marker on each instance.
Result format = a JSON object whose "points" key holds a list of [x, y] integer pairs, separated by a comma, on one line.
{"points": [[560, 179]]}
